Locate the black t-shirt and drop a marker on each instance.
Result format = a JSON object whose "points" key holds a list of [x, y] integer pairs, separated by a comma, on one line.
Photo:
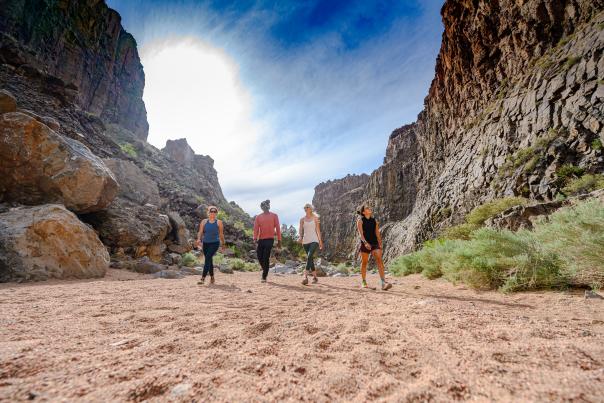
{"points": [[369, 225]]}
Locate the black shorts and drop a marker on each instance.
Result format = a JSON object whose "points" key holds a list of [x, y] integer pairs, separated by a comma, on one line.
{"points": [[364, 249]]}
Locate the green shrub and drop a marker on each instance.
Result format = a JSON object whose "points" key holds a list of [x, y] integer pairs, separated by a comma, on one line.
{"points": [[222, 215], [189, 259], [571, 61], [568, 171], [565, 249], [482, 213], [461, 231], [249, 232], [576, 234], [342, 268], [596, 144], [236, 264], [585, 184], [128, 149]]}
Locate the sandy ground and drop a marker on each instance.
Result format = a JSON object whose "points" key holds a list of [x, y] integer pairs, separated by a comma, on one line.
{"points": [[131, 338]]}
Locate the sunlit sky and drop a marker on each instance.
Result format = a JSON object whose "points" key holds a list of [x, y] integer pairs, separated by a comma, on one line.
{"points": [[283, 95]]}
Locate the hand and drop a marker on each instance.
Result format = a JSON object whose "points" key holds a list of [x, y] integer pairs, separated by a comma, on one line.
{"points": [[222, 248], [321, 245], [197, 243], [367, 245], [279, 244], [301, 241]]}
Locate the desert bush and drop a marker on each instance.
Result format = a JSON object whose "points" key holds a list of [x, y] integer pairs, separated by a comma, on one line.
{"points": [[596, 144], [189, 259], [241, 265], [565, 249], [585, 184], [490, 209], [461, 231], [577, 235], [128, 149], [569, 170]]}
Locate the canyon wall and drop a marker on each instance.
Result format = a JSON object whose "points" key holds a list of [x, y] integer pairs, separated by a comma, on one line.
{"points": [[517, 93], [73, 131]]}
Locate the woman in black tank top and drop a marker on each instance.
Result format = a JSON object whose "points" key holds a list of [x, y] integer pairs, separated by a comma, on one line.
{"points": [[371, 243]]}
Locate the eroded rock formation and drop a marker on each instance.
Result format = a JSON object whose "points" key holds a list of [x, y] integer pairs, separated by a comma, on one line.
{"points": [[518, 92]]}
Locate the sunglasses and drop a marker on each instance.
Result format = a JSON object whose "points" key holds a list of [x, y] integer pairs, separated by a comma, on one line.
{"points": [[213, 211]]}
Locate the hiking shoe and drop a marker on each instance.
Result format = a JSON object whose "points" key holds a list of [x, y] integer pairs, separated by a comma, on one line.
{"points": [[263, 280], [315, 280], [212, 280], [305, 281], [200, 282], [386, 286], [364, 284]]}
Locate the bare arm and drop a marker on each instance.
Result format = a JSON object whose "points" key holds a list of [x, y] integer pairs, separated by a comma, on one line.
{"points": [[318, 230], [360, 230], [200, 232], [221, 233], [301, 230], [378, 233]]}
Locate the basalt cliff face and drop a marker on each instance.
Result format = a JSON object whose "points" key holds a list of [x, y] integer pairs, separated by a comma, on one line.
{"points": [[518, 93], [73, 148]]}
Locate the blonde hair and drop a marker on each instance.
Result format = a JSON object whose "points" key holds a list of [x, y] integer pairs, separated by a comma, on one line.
{"points": [[210, 208], [310, 206]]}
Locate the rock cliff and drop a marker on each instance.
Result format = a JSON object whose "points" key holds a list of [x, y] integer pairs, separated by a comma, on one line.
{"points": [[73, 131], [517, 93], [83, 44]]}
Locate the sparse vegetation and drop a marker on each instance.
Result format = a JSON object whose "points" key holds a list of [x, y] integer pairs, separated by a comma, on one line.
{"points": [[128, 149], [223, 215], [529, 156], [596, 145], [568, 171], [571, 61], [585, 184], [482, 213], [189, 259], [567, 249], [461, 231], [241, 265]]}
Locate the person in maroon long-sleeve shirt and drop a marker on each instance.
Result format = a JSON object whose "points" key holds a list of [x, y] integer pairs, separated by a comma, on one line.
{"points": [[266, 225]]}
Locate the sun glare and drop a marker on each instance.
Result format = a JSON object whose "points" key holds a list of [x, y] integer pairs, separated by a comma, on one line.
{"points": [[192, 90]]}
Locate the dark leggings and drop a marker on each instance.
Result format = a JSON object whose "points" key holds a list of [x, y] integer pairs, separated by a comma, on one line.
{"points": [[264, 254], [209, 250], [310, 249]]}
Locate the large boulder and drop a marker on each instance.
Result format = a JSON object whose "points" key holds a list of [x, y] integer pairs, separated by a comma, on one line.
{"points": [[7, 102], [39, 166], [180, 233], [48, 241], [139, 230], [135, 185]]}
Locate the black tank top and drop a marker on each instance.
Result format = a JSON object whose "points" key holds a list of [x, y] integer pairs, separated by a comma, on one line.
{"points": [[369, 230]]}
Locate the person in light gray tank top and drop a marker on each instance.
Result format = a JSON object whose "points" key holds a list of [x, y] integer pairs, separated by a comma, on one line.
{"points": [[310, 238]]}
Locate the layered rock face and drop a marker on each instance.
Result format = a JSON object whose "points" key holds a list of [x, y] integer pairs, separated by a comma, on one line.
{"points": [[83, 44], [517, 94]]}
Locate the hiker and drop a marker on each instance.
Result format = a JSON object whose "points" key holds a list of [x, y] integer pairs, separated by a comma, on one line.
{"points": [[211, 235], [371, 243], [310, 238], [266, 225]]}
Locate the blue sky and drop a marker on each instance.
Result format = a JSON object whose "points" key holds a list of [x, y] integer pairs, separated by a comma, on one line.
{"points": [[283, 95]]}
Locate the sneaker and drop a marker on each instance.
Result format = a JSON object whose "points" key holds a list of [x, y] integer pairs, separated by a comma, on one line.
{"points": [[212, 280], [200, 282], [386, 286], [305, 281], [263, 280], [315, 280], [364, 284]]}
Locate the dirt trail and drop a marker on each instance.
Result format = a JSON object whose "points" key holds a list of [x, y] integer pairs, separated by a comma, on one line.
{"points": [[161, 340]]}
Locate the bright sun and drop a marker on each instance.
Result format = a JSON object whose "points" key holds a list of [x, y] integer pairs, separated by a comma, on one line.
{"points": [[192, 90]]}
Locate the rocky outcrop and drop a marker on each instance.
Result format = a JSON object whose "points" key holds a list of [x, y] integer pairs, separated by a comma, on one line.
{"points": [[337, 202], [48, 241], [135, 185], [82, 44], [39, 166], [179, 236], [517, 94], [137, 230]]}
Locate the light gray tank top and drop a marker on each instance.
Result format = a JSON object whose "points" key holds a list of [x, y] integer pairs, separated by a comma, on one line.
{"points": [[310, 231]]}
